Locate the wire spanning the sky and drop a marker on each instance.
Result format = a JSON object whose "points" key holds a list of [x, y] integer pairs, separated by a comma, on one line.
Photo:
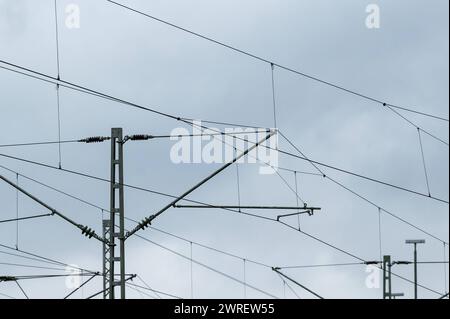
{"points": [[327, 244], [272, 63], [189, 200], [315, 164], [362, 261], [102, 95]]}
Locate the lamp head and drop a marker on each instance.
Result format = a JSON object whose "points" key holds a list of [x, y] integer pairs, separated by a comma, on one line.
{"points": [[415, 241]]}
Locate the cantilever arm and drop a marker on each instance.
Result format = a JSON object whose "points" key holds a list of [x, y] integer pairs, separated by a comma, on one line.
{"points": [[147, 221], [300, 210], [84, 229], [250, 207]]}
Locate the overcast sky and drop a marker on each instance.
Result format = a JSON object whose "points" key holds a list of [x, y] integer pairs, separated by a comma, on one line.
{"points": [[404, 62]]}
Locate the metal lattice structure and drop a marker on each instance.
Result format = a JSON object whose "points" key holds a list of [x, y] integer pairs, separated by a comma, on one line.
{"points": [[387, 278], [106, 259], [112, 255]]}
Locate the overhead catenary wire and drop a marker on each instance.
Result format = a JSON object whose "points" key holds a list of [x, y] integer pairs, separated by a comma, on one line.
{"points": [[274, 101], [55, 7], [73, 141], [167, 195], [29, 266], [84, 229], [386, 211], [105, 96], [24, 218], [148, 286], [250, 207], [352, 264], [444, 296], [53, 188], [322, 265], [429, 262], [363, 197], [139, 291], [87, 140], [38, 143], [191, 260], [148, 137], [21, 289], [244, 277], [191, 268], [423, 161], [125, 185], [340, 184], [80, 286], [7, 296], [207, 267], [248, 154], [378, 181], [58, 105], [275, 169], [296, 198], [209, 247], [315, 164], [130, 277], [445, 268], [315, 238], [297, 283], [26, 257], [86, 175], [58, 101], [191, 242], [414, 125], [147, 221], [286, 284], [173, 136], [273, 64], [238, 184], [158, 292], [256, 216], [302, 232], [17, 212], [380, 240], [40, 258], [266, 60], [45, 276]]}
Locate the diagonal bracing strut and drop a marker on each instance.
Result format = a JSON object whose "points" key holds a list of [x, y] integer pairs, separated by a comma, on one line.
{"points": [[147, 221], [84, 229]]}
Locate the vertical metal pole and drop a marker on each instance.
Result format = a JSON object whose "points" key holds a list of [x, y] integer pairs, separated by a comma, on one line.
{"points": [[415, 271], [121, 218], [111, 256], [387, 285], [112, 219], [106, 259], [415, 242], [390, 279]]}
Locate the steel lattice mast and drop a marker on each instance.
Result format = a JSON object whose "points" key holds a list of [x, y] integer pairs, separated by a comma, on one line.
{"points": [[112, 255]]}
